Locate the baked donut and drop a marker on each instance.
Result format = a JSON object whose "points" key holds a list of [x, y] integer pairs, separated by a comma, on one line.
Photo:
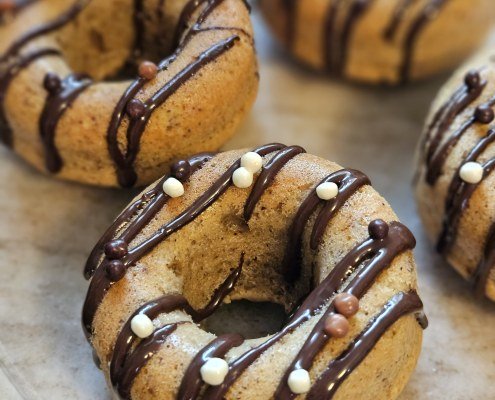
{"points": [[379, 41], [455, 185], [132, 118], [274, 224]]}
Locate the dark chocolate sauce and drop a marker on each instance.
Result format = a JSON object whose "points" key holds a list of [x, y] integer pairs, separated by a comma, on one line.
{"points": [[428, 14], [348, 181], [339, 369], [57, 102], [472, 88], [335, 41], [460, 193], [126, 365], [139, 28], [268, 174], [192, 383], [6, 78], [397, 19], [291, 21], [354, 274]]}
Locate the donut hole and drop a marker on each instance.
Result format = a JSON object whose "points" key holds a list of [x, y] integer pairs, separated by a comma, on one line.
{"points": [[250, 319], [113, 51]]}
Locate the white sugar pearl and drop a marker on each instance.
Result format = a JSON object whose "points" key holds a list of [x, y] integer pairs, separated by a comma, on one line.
{"points": [[327, 190], [471, 172], [252, 162], [242, 178], [142, 326], [299, 381], [173, 187], [214, 371]]}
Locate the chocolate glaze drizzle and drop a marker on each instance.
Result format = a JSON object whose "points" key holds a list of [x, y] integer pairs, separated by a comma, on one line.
{"points": [[436, 154], [59, 99], [336, 36], [125, 365], [6, 78], [354, 274], [340, 368]]}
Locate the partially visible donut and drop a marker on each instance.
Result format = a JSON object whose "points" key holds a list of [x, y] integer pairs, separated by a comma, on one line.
{"points": [[107, 131], [455, 186], [276, 225], [380, 41]]}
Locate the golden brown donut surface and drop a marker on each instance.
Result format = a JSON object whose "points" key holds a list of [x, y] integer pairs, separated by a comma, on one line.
{"points": [[455, 187], [67, 108], [274, 224], [380, 41]]}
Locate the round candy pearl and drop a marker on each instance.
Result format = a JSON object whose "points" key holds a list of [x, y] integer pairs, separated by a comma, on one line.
{"points": [[173, 187], [471, 172], [346, 304], [115, 270], [52, 83], [484, 114], [116, 249], [136, 108], [181, 170], [299, 381], [378, 229], [148, 70], [327, 190], [337, 326], [252, 161], [142, 326], [242, 178], [214, 371], [472, 79]]}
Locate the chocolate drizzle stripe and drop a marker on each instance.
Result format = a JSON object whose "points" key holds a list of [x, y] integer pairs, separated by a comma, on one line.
{"points": [[48, 27], [6, 79], [101, 283], [140, 212], [268, 174], [291, 16], [339, 369], [136, 127], [384, 251], [439, 154], [446, 115], [397, 18], [348, 181], [126, 365], [373, 256], [429, 13], [486, 265], [141, 355], [460, 193], [139, 27], [336, 43], [55, 106], [192, 383]]}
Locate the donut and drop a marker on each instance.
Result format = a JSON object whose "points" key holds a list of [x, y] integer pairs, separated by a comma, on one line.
{"points": [[114, 104], [379, 41], [455, 183], [273, 224]]}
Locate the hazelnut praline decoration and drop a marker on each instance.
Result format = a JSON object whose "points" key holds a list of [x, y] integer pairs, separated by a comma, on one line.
{"points": [[115, 270], [148, 70], [337, 326], [346, 304], [181, 170]]}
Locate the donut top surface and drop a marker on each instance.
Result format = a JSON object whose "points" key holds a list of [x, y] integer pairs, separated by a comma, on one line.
{"points": [[152, 36], [457, 152], [333, 300]]}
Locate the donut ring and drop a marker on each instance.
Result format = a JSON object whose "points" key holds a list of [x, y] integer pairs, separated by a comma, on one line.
{"points": [[455, 184], [270, 240], [379, 41], [123, 132]]}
